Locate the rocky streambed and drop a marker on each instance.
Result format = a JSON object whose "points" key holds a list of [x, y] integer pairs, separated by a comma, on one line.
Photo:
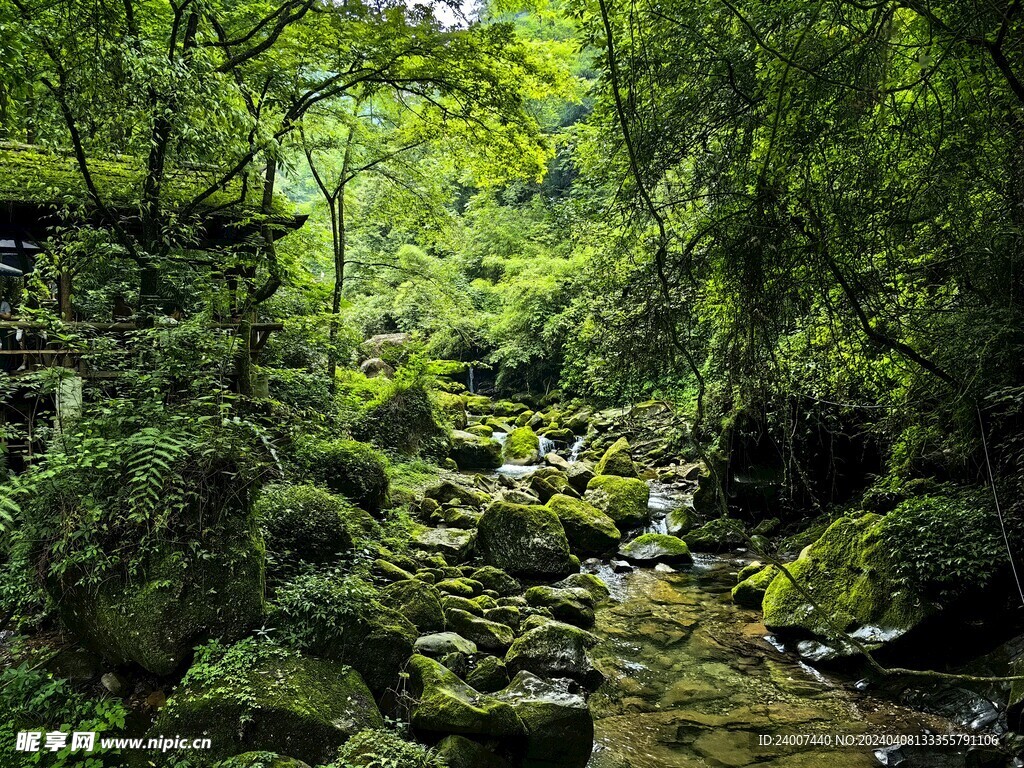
{"points": [[676, 672]]}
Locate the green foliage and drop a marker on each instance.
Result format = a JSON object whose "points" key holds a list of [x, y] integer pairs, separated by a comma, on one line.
{"points": [[949, 543], [385, 749], [31, 699], [302, 524], [351, 468]]}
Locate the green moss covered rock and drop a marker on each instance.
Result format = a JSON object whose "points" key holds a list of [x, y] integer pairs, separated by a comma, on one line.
{"points": [[355, 470], [851, 573], [617, 460], [598, 589], [182, 597], [460, 752], [302, 524], [405, 418], [446, 705], [623, 499], [418, 601], [572, 605], [258, 697], [548, 482], [589, 530], [487, 635], [656, 548], [555, 649], [456, 544], [471, 451], [498, 580], [559, 726], [522, 446], [524, 540], [488, 675], [717, 535], [750, 591], [346, 620]]}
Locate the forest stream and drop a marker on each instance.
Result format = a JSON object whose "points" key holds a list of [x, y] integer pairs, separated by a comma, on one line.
{"points": [[693, 680]]}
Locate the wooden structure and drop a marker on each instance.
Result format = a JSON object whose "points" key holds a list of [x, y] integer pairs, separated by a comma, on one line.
{"points": [[35, 185]]}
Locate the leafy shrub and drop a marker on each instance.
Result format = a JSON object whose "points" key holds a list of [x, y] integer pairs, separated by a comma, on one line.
{"points": [[339, 617], [347, 467], [32, 700], [403, 417], [302, 524], [385, 749], [947, 544]]}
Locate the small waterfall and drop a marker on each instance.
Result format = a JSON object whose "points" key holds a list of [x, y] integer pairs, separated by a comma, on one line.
{"points": [[546, 446], [575, 449], [472, 383], [500, 436]]}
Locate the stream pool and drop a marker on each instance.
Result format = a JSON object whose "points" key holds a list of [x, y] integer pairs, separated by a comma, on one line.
{"points": [[692, 680]]}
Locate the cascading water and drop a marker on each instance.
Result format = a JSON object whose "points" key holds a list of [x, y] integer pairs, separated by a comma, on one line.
{"points": [[546, 446], [575, 449], [472, 383]]}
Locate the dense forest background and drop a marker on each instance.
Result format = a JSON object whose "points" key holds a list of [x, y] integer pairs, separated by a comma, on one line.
{"points": [[798, 224]]}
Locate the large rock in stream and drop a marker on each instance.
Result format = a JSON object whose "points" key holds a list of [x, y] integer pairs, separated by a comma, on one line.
{"points": [[446, 705], [851, 576], [257, 697], [522, 446], [589, 530], [474, 451], [623, 499], [617, 460], [559, 727], [656, 548], [555, 649], [524, 541]]}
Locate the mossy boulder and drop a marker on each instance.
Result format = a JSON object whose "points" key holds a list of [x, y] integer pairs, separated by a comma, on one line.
{"points": [[680, 520], [749, 592], [446, 705], [522, 446], [498, 580], [405, 418], [356, 470], [447, 492], [460, 752], [471, 451], [418, 601], [489, 675], [717, 535], [617, 460], [524, 541], [555, 649], [598, 589], [488, 635], [656, 548], [572, 605], [559, 726], [456, 544], [589, 530], [345, 619], [451, 408], [302, 524], [851, 574], [549, 482], [182, 597], [579, 474], [442, 643], [623, 499], [256, 696]]}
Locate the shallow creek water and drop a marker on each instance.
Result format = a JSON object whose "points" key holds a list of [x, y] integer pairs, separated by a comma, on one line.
{"points": [[692, 680]]}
